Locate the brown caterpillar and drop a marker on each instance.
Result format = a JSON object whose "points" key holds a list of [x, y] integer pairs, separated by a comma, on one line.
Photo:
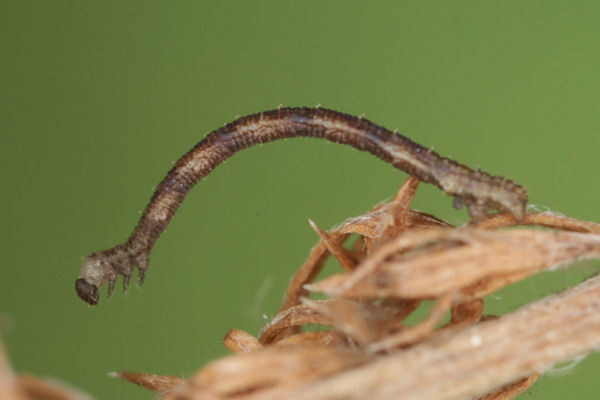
{"points": [[479, 191]]}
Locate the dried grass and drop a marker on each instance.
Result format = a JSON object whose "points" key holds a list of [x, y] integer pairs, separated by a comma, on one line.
{"points": [[401, 258], [366, 349]]}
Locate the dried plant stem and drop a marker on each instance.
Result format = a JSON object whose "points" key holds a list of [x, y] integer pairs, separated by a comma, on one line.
{"points": [[369, 351], [8, 383], [25, 387], [530, 340], [306, 273], [542, 219], [418, 332], [156, 383]]}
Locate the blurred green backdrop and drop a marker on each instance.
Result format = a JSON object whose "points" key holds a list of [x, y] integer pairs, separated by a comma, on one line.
{"points": [[97, 98]]}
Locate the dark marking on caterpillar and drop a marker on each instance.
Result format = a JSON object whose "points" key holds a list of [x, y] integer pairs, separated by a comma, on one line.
{"points": [[479, 191]]}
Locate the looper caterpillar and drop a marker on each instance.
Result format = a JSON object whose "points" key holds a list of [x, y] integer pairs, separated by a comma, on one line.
{"points": [[479, 191]]}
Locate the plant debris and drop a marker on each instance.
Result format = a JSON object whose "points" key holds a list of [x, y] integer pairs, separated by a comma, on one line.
{"points": [[401, 258], [366, 349], [25, 387]]}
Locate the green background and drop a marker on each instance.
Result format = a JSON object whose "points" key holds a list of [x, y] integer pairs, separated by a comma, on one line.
{"points": [[97, 99]]}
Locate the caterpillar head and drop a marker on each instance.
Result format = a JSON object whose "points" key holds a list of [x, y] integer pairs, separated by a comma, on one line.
{"points": [[87, 292], [95, 271], [105, 266]]}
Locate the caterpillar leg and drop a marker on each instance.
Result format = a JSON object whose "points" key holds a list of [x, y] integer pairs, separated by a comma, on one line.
{"points": [[105, 266]]}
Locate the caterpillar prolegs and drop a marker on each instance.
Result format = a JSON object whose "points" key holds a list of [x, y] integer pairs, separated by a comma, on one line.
{"points": [[479, 191]]}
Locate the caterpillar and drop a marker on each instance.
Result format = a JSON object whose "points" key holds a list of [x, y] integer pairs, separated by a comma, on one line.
{"points": [[479, 191]]}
